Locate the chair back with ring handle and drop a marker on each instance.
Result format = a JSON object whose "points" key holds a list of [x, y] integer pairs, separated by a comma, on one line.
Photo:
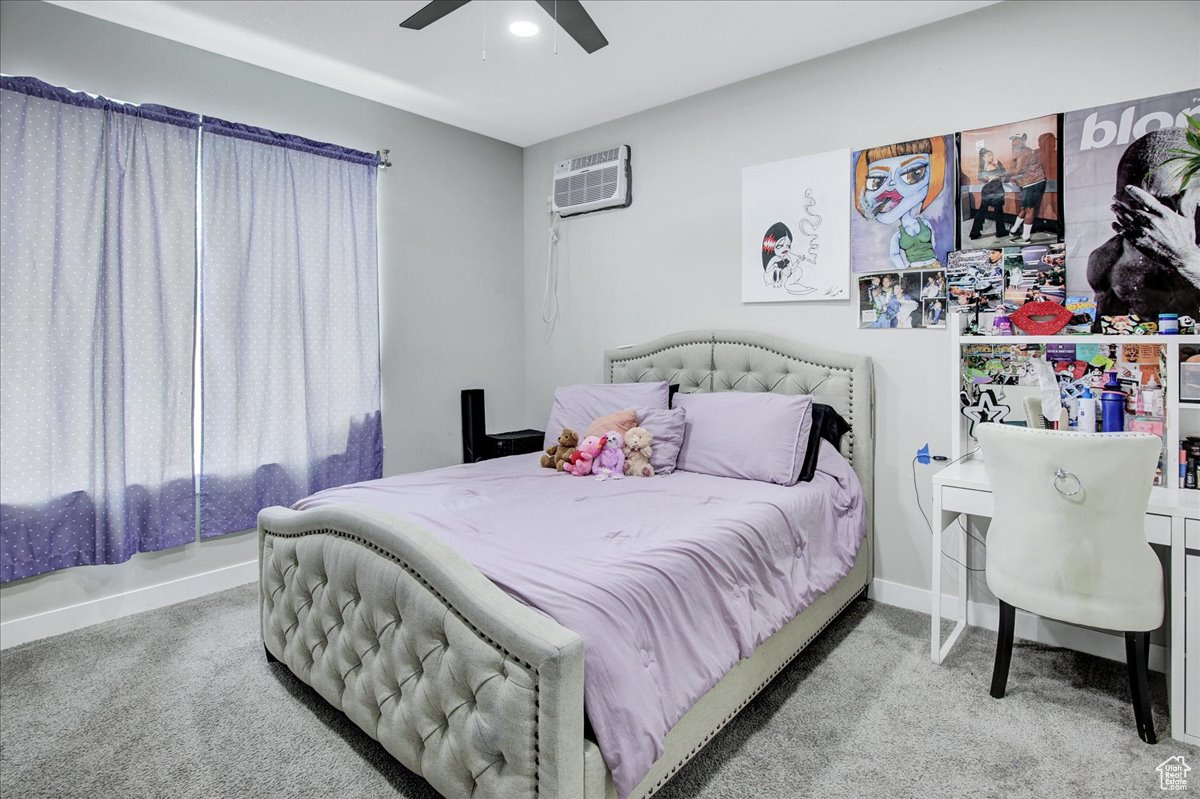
{"points": [[1067, 539]]}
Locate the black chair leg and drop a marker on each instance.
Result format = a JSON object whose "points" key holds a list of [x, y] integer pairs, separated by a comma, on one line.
{"points": [[270, 658], [1137, 656], [1004, 645]]}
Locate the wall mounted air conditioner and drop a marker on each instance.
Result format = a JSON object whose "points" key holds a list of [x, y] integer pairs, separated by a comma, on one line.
{"points": [[592, 182]]}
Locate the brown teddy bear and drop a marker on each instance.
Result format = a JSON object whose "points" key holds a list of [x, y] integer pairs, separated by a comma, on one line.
{"points": [[558, 454], [637, 452]]}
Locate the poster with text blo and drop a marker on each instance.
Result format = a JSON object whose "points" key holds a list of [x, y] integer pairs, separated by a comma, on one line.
{"points": [[1132, 229]]}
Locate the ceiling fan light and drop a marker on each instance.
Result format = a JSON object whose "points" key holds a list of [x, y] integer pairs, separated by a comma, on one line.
{"points": [[524, 28]]}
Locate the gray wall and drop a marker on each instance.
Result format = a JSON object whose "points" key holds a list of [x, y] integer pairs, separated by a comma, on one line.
{"points": [[450, 247], [670, 262]]}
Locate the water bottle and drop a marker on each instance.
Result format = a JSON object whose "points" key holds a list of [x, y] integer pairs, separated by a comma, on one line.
{"points": [[1112, 406]]}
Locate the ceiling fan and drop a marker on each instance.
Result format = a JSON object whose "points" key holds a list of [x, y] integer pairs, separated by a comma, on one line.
{"points": [[569, 14]]}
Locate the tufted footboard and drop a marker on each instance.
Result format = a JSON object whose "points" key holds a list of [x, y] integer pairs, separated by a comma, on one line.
{"points": [[478, 693]]}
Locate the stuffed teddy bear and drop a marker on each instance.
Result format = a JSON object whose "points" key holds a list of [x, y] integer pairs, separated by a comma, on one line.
{"points": [[558, 455], [580, 462], [611, 460], [637, 452]]}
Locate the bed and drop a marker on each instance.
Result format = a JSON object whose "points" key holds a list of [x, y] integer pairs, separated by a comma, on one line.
{"points": [[477, 691]]}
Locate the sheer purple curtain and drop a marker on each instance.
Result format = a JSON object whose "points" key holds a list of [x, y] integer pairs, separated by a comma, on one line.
{"points": [[289, 315], [97, 291]]}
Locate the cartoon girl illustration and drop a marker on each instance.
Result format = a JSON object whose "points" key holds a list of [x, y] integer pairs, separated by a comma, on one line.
{"points": [[781, 267], [893, 185]]}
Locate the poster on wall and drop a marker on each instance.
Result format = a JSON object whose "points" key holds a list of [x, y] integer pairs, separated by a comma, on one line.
{"points": [[1133, 230], [795, 229], [903, 215], [915, 298], [1009, 192]]}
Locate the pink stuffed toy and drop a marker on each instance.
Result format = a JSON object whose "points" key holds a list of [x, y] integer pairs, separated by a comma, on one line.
{"points": [[580, 463], [611, 461]]}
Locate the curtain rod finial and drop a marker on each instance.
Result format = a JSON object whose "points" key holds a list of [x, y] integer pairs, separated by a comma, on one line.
{"points": [[384, 162]]}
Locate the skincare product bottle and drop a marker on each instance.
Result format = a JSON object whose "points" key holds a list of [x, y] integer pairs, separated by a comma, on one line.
{"points": [[1087, 412], [1151, 398]]}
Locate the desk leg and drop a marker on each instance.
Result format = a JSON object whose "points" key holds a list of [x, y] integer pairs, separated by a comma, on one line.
{"points": [[964, 573], [941, 520], [1176, 635], [935, 590]]}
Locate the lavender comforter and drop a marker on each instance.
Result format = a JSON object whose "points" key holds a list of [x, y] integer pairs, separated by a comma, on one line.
{"points": [[669, 581]]}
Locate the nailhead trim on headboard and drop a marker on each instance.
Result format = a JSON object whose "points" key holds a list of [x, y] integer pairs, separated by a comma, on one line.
{"points": [[712, 371]]}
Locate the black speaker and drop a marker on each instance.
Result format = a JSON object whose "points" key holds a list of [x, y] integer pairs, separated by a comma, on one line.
{"points": [[473, 425]]}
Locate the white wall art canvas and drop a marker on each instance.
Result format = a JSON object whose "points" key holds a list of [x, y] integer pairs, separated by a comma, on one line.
{"points": [[796, 229]]}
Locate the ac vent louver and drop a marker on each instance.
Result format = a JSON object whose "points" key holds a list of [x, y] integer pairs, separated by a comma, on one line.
{"points": [[592, 182]]}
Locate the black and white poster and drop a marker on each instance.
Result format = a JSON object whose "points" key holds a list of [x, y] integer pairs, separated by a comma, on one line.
{"points": [[1133, 228], [796, 229]]}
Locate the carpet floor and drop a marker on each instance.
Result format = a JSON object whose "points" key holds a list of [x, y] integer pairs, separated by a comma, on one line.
{"points": [[180, 702]]}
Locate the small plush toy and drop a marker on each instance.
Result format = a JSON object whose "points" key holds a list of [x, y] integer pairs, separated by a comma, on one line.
{"points": [[558, 455], [637, 452], [580, 462], [611, 460]]}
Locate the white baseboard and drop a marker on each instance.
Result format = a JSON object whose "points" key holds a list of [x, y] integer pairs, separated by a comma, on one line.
{"points": [[1029, 627], [94, 611]]}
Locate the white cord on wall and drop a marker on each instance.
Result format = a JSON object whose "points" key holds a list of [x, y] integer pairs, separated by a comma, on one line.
{"points": [[550, 292]]}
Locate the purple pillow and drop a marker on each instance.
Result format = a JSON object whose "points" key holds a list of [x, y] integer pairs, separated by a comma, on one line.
{"points": [[667, 426], [751, 436], [579, 405]]}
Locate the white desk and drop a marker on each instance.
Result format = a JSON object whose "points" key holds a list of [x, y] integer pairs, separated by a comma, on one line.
{"points": [[1172, 520]]}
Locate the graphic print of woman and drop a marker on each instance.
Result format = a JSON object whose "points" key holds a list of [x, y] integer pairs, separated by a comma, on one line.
{"points": [[893, 185], [781, 266]]}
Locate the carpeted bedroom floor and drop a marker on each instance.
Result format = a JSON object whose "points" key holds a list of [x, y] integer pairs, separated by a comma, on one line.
{"points": [[180, 702]]}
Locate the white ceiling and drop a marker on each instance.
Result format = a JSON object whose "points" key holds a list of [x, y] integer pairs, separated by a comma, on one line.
{"points": [[659, 50]]}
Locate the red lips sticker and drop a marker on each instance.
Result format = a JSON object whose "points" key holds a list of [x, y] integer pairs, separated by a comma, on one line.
{"points": [[1043, 318]]}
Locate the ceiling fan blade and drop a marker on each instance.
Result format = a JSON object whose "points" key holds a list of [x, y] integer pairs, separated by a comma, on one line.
{"points": [[577, 22], [431, 13]]}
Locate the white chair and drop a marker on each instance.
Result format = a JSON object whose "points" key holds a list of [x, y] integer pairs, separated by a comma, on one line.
{"points": [[1067, 540]]}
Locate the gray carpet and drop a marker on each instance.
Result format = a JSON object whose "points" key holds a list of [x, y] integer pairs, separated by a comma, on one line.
{"points": [[180, 702]]}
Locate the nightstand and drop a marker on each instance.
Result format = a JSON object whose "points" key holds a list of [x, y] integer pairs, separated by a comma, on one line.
{"points": [[516, 442]]}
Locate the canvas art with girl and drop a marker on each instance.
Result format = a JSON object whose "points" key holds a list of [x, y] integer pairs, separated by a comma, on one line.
{"points": [[903, 195]]}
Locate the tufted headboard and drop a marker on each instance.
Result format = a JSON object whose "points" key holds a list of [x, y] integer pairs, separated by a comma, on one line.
{"points": [[731, 360]]}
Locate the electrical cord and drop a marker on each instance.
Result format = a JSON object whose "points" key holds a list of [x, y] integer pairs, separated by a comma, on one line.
{"points": [[929, 523], [550, 292]]}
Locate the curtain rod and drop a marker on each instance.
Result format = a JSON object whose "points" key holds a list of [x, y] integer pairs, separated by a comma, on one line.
{"points": [[384, 162]]}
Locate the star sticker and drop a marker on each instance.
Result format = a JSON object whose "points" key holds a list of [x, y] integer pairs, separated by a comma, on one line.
{"points": [[987, 408]]}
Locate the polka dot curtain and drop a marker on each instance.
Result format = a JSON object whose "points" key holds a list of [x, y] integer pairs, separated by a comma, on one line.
{"points": [[290, 322], [97, 288]]}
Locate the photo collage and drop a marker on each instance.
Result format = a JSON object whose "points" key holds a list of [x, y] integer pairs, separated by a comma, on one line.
{"points": [[1018, 228], [912, 299], [1081, 369]]}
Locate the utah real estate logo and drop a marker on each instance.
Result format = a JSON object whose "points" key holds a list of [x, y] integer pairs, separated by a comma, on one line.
{"points": [[1172, 774]]}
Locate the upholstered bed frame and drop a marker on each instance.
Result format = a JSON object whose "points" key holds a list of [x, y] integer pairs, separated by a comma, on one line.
{"points": [[477, 692]]}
